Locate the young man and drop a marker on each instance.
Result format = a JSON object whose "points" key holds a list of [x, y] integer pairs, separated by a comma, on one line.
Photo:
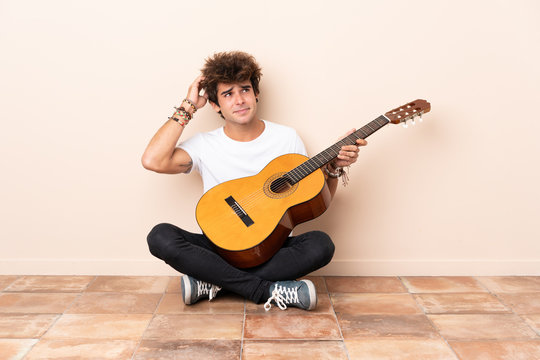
{"points": [[242, 147]]}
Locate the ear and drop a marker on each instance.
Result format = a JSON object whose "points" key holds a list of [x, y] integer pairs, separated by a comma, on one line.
{"points": [[215, 106]]}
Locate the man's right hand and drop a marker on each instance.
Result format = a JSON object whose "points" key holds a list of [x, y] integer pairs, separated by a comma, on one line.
{"points": [[193, 93]]}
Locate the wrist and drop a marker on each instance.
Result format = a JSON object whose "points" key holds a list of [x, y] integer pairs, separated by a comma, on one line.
{"points": [[189, 106], [333, 172], [332, 166]]}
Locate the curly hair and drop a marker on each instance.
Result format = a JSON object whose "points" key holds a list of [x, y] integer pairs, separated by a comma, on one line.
{"points": [[229, 67]]}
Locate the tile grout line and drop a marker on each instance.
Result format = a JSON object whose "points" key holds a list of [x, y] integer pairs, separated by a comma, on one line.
{"points": [[17, 277], [428, 319], [243, 330], [507, 306], [337, 321], [60, 315], [149, 322]]}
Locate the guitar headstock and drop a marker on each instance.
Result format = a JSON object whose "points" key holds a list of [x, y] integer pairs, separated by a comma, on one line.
{"points": [[409, 111]]}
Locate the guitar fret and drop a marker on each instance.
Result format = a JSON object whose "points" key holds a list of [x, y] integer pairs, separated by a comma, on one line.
{"points": [[325, 156]]}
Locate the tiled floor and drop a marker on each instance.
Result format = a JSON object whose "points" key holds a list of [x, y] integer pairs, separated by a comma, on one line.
{"points": [[108, 317]]}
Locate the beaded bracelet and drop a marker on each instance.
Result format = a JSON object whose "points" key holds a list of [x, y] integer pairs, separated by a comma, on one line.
{"points": [[182, 114], [181, 111], [190, 103], [183, 123]]}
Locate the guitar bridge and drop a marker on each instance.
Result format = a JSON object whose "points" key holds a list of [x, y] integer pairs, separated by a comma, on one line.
{"points": [[239, 211]]}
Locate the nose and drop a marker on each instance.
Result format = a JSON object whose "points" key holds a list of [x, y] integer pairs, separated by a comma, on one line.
{"points": [[238, 99]]}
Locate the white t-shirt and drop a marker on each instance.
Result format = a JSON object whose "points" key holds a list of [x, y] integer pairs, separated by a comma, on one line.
{"points": [[219, 158]]}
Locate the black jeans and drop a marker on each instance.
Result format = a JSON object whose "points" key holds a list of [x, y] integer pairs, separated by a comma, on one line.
{"points": [[194, 255]]}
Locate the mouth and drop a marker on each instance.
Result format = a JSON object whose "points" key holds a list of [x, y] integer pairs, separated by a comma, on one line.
{"points": [[241, 111]]}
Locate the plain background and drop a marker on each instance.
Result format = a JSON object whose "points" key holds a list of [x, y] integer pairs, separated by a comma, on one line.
{"points": [[85, 84]]}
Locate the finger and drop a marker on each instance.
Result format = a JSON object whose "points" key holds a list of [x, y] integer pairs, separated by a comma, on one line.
{"points": [[194, 89], [361, 142], [350, 148], [345, 155]]}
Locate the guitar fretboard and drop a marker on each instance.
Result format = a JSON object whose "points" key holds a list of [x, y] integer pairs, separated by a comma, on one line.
{"points": [[325, 156]]}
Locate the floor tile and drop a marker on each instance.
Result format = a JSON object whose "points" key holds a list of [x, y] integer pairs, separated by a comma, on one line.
{"points": [[503, 350], [442, 284], [195, 327], [101, 326], [370, 284], [6, 280], [386, 326], [115, 303], [50, 284], [32, 303], [174, 285], [402, 349], [223, 304], [482, 327], [533, 321], [354, 303], [324, 306], [188, 350], [305, 327], [130, 284], [25, 326], [460, 303], [291, 350], [319, 283], [522, 303], [15, 349], [498, 284], [83, 349]]}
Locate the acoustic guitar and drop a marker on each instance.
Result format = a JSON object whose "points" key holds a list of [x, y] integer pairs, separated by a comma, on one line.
{"points": [[248, 219]]}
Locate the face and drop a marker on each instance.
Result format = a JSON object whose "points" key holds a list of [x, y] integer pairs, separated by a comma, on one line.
{"points": [[237, 102]]}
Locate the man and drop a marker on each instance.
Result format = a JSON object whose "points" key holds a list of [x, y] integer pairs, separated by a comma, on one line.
{"points": [[242, 147]]}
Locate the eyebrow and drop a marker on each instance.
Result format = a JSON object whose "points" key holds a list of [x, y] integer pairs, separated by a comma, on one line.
{"points": [[229, 90], [226, 91]]}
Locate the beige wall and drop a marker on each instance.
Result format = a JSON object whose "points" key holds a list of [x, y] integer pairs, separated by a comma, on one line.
{"points": [[85, 84]]}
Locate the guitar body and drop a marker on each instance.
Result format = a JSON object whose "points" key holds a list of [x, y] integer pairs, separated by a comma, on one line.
{"points": [[248, 219]]}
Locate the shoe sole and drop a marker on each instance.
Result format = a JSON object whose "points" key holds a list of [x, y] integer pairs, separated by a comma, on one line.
{"points": [[186, 289], [312, 294]]}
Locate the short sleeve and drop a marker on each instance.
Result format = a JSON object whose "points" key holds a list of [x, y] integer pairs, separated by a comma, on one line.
{"points": [[299, 147], [193, 147]]}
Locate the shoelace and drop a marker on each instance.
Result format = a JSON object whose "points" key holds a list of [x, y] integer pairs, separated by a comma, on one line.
{"points": [[282, 296], [204, 288]]}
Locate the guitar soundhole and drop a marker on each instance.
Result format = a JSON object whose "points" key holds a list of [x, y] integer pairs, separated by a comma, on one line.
{"points": [[277, 186], [280, 185]]}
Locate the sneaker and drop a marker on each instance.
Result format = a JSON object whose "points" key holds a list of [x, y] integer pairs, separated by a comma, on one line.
{"points": [[300, 294], [194, 290]]}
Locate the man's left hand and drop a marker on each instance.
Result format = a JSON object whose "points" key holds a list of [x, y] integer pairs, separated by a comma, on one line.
{"points": [[348, 153]]}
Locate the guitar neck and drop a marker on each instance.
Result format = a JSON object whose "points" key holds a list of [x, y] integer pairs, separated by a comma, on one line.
{"points": [[325, 156]]}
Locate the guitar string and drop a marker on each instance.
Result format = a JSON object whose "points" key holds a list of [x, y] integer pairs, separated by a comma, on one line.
{"points": [[247, 202], [327, 155], [256, 195]]}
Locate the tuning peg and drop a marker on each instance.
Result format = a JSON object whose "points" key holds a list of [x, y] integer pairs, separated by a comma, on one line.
{"points": [[420, 117], [413, 122], [404, 124]]}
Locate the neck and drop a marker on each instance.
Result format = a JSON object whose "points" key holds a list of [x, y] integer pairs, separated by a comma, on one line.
{"points": [[244, 132]]}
